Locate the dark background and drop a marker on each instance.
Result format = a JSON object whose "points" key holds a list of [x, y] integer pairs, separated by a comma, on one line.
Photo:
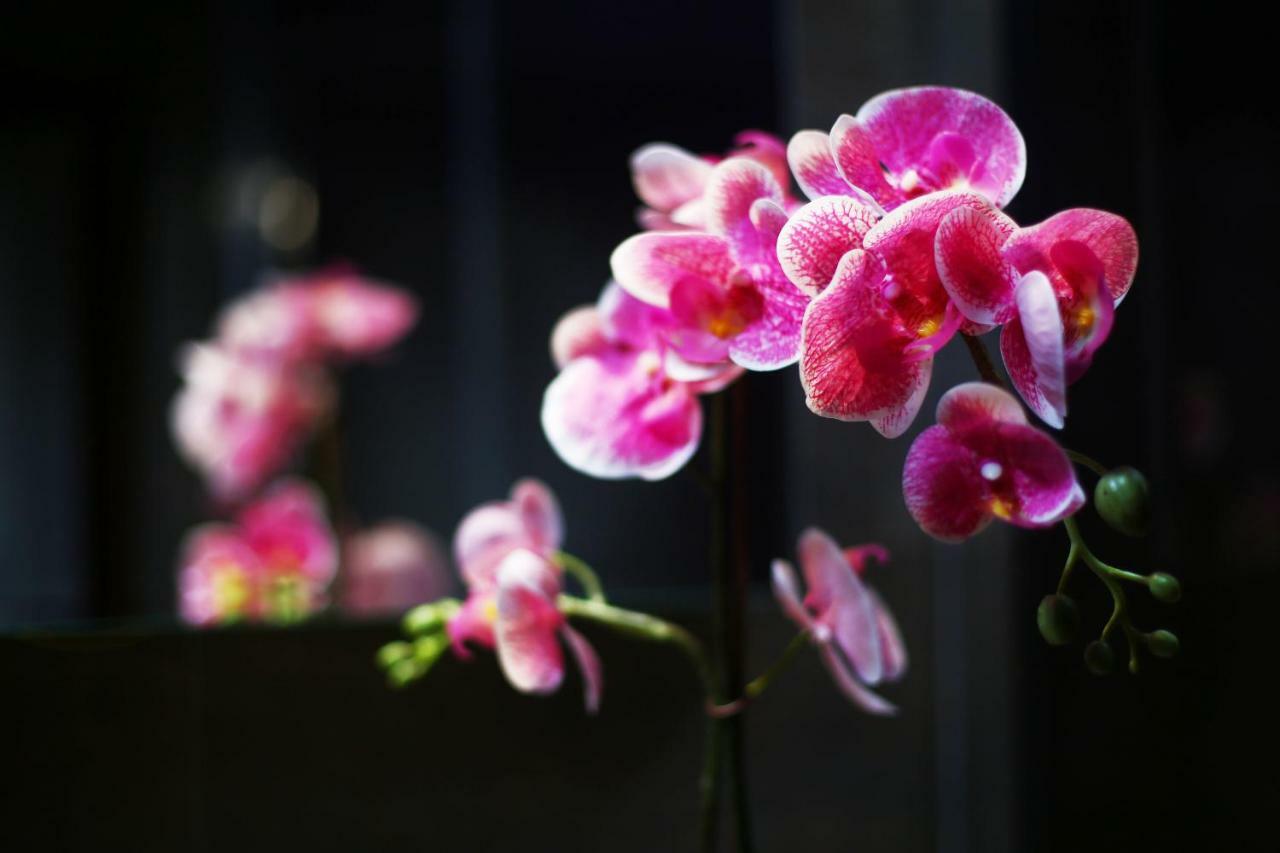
{"points": [[475, 152]]}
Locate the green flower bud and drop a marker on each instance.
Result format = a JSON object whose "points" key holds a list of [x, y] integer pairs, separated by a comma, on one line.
{"points": [[1099, 658], [389, 654], [1058, 619], [1121, 500], [1165, 587], [1163, 644], [403, 671], [427, 650], [429, 618]]}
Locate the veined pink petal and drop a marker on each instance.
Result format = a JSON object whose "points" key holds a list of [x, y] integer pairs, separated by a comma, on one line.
{"points": [[578, 332], [786, 589], [859, 164], [666, 176], [1042, 478], [627, 321], [772, 340], [766, 149], [852, 365], [527, 624], [1032, 348], [943, 486], [818, 235], [620, 416], [904, 127], [588, 664], [976, 276], [539, 512], [849, 685], [814, 166], [841, 602], [735, 186], [648, 266], [973, 405], [895, 420], [1109, 237]]}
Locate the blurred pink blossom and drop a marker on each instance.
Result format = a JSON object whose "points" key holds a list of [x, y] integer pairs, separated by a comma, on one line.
{"points": [[390, 567]]}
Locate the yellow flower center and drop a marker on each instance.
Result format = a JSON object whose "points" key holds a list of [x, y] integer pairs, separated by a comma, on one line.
{"points": [[929, 327], [1001, 508], [230, 589]]}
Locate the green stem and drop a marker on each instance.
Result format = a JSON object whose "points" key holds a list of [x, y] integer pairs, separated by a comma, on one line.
{"points": [[760, 683], [1110, 576], [1087, 461], [1072, 557], [640, 625], [982, 361], [585, 575]]}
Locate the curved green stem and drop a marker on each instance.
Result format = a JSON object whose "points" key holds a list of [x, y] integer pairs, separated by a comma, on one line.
{"points": [[761, 682], [640, 625], [1110, 577], [584, 573], [1087, 461]]}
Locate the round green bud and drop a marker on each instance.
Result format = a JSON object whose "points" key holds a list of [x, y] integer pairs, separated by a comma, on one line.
{"points": [[1162, 643], [1099, 658], [1058, 619], [1165, 587], [403, 671], [389, 654], [1121, 500]]}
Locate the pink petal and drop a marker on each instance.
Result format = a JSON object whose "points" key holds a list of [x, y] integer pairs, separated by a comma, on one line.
{"points": [[786, 589], [473, 623], [852, 365], [858, 556], [1088, 313], [620, 416], [735, 186], [767, 150], [943, 486], [484, 539], [895, 420], [289, 530], [978, 279], [578, 332], [1043, 478], [859, 164], [356, 316], [818, 235], [772, 340], [391, 567], [540, 514], [527, 624], [1032, 348], [814, 166], [217, 577], [1109, 237], [893, 648], [626, 320], [666, 176], [850, 686], [648, 266], [841, 601], [727, 374], [974, 405], [588, 664], [904, 126]]}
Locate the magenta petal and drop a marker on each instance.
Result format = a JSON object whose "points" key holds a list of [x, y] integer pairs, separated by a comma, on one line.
{"points": [[850, 686], [1032, 348], [895, 420], [289, 530], [1044, 479], [666, 176], [588, 664], [772, 341], [859, 164], [578, 332], [818, 235], [626, 320], [809, 154], [786, 589], [943, 486], [619, 416], [974, 405], [648, 266], [526, 627], [1109, 237], [978, 279], [903, 126], [735, 186]]}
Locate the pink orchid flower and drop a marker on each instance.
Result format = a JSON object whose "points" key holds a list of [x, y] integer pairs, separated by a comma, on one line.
{"points": [[239, 420], [880, 311], [671, 181], [723, 287], [391, 567], [910, 142], [218, 577], [982, 460], [625, 404], [1053, 286], [854, 631], [504, 552], [276, 561]]}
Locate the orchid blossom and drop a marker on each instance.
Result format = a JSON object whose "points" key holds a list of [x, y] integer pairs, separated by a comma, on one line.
{"points": [[1053, 286], [388, 568], [724, 288], [854, 631], [671, 181], [275, 562], [982, 460], [624, 404], [910, 142]]}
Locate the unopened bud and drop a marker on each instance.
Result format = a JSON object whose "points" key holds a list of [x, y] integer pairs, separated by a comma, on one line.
{"points": [[1164, 587], [1099, 658], [389, 654], [1058, 619], [1121, 500], [403, 671], [1163, 644]]}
